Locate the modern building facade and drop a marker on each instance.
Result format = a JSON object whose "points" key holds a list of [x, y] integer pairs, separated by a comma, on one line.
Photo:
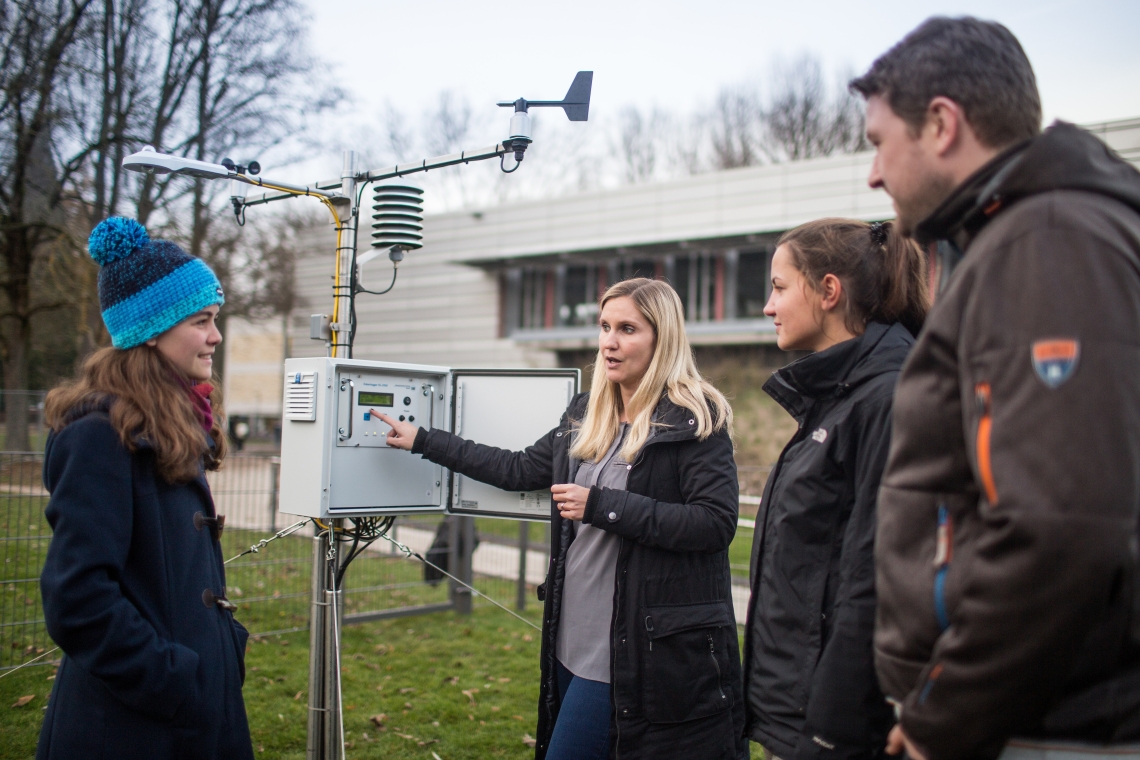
{"points": [[517, 284]]}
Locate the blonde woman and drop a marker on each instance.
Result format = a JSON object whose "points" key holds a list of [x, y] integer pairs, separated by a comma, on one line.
{"points": [[639, 650]]}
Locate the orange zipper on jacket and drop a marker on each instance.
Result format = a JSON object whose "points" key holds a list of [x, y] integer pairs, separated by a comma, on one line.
{"points": [[982, 446]]}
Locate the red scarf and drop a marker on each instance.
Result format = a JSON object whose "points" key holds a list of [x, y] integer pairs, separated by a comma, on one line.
{"points": [[200, 398]]}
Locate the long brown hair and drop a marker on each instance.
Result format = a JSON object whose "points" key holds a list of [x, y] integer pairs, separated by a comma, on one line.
{"points": [[672, 371], [883, 273], [148, 398]]}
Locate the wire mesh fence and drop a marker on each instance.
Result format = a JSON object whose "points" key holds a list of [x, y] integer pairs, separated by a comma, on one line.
{"points": [[272, 586], [25, 540]]}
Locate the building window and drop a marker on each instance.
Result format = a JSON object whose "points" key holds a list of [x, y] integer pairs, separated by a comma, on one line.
{"points": [[714, 286], [752, 284]]}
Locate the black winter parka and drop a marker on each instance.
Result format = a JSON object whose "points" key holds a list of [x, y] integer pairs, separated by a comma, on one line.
{"points": [[810, 675], [150, 670], [675, 666]]}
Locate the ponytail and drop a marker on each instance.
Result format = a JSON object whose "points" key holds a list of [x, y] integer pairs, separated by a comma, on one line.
{"points": [[883, 273]]}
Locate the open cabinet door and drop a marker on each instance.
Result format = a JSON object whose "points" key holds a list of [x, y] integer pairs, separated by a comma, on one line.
{"points": [[510, 409]]}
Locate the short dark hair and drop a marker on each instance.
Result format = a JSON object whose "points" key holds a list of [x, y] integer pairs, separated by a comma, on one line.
{"points": [[978, 64]]}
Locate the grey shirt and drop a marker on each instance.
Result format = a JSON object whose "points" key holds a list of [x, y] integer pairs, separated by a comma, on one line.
{"points": [[588, 595]]}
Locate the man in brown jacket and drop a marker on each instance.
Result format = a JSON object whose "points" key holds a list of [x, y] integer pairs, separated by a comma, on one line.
{"points": [[1006, 550]]}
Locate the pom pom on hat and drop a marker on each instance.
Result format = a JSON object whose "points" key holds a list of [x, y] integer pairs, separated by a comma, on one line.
{"points": [[116, 238]]}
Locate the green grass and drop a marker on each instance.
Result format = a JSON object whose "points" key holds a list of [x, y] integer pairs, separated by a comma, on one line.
{"points": [[740, 551], [413, 671]]}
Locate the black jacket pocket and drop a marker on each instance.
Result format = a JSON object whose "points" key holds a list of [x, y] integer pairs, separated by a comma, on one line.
{"points": [[686, 673]]}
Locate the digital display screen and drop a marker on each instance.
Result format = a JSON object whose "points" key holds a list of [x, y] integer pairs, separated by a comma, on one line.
{"points": [[364, 398]]}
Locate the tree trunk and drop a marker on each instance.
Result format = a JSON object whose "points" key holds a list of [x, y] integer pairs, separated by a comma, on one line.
{"points": [[16, 396]]}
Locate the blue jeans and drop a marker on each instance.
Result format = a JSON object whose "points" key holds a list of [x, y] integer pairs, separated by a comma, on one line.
{"points": [[582, 731]]}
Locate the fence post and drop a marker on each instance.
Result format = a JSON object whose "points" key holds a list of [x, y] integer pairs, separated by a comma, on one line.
{"points": [[462, 540], [524, 536], [274, 476]]}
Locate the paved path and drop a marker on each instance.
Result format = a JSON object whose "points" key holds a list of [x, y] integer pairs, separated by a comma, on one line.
{"points": [[498, 561]]}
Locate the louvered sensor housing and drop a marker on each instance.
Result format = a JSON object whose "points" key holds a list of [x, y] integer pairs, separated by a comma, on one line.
{"points": [[398, 217]]}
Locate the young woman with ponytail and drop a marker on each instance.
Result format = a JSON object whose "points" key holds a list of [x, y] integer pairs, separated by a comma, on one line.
{"points": [[854, 294], [134, 589], [639, 649]]}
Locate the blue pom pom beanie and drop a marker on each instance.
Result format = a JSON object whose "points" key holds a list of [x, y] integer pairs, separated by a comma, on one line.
{"points": [[147, 286]]}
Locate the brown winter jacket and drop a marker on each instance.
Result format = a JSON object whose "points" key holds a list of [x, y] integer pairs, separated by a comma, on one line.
{"points": [[1006, 554]]}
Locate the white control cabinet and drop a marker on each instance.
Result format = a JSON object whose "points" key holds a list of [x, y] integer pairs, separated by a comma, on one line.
{"points": [[335, 461]]}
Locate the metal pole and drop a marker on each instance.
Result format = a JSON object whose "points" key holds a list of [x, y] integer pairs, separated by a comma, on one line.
{"points": [[464, 571], [317, 650], [342, 298], [524, 536], [274, 477], [333, 620], [454, 536]]}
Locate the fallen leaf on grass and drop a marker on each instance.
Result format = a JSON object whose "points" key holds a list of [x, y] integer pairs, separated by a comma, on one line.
{"points": [[437, 757], [517, 717], [378, 720], [297, 695], [405, 736], [504, 680], [407, 690], [23, 700], [495, 708], [470, 693], [527, 637], [453, 680], [529, 740]]}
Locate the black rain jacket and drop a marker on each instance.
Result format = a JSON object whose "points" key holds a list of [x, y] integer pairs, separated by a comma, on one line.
{"points": [[675, 663], [810, 676]]}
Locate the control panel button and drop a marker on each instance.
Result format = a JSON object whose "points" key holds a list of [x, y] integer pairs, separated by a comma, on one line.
{"points": [[411, 418], [407, 401], [401, 418]]}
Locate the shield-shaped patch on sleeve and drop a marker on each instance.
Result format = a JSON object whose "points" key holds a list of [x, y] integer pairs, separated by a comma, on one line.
{"points": [[1055, 360]]}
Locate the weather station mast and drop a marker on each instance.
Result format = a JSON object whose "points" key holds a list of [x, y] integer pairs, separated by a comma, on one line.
{"points": [[397, 227]]}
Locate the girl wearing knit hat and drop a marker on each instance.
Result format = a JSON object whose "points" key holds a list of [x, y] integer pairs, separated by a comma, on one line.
{"points": [[134, 588]]}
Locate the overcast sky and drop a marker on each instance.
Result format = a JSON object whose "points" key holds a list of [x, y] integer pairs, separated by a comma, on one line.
{"points": [[676, 55]]}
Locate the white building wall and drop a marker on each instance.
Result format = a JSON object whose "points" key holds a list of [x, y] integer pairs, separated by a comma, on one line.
{"points": [[255, 367], [445, 311]]}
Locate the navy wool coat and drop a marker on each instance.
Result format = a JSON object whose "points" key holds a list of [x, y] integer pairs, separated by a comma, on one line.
{"points": [[152, 667]]}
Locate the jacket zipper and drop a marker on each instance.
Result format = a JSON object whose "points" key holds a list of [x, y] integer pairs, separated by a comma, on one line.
{"points": [[982, 444], [712, 653], [943, 555]]}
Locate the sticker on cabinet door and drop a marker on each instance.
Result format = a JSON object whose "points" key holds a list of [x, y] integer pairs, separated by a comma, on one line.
{"points": [[535, 501]]}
